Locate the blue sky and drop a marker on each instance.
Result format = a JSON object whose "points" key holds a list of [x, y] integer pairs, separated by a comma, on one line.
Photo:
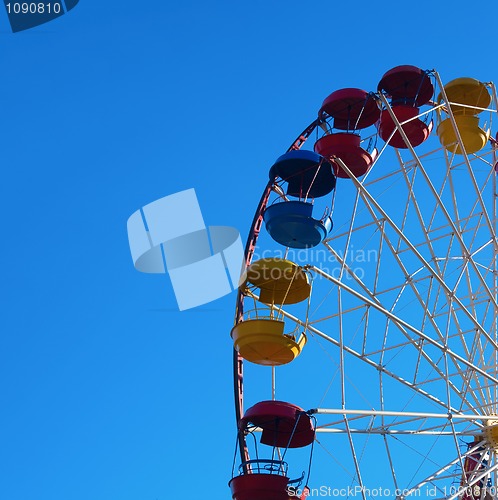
{"points": [[107, 390]]}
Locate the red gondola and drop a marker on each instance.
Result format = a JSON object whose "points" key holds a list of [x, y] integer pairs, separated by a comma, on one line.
{"points": [[348, 110], [409, 88], [283, 426]]}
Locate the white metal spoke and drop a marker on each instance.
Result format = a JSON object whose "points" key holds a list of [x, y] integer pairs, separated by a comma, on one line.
{"points": [[404, 325]]}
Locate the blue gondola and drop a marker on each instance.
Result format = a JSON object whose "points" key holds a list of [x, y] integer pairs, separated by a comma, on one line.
{"points": [[291, 222]]}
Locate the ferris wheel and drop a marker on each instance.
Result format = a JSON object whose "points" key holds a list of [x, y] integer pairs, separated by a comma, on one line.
{"points": [[365, 338]]}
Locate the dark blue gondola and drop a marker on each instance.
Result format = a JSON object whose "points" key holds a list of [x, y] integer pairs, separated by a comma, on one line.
{"points": [[290, 222], [307, 174]]}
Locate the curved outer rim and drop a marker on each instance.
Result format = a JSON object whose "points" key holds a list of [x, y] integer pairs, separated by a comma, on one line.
{"points": [[238, 362]]}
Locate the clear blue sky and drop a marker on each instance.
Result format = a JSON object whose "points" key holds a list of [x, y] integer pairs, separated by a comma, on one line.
{"points": [[106, 390]]}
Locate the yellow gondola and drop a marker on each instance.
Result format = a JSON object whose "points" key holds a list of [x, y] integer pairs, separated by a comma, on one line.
{"points": [[280, 281], [467, 99], [261, 339]]}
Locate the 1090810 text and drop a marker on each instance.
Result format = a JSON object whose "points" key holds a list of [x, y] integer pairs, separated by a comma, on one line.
{"points": [[34, 8]]}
